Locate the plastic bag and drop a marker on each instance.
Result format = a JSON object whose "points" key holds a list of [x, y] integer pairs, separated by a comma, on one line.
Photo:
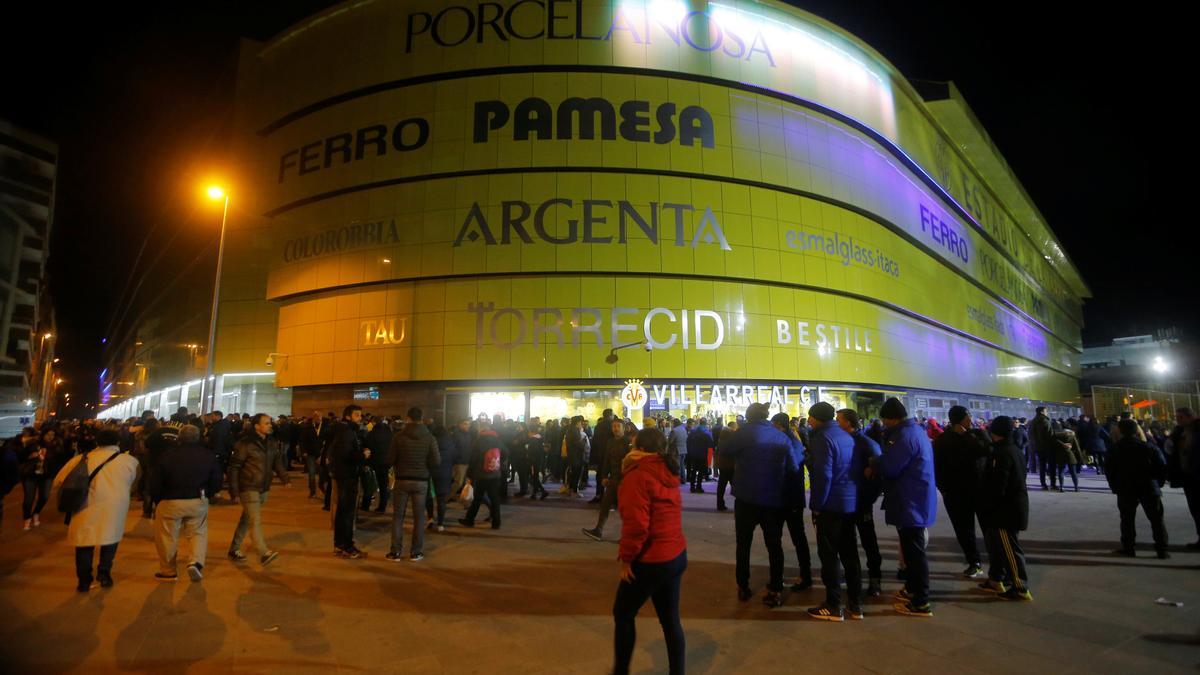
{"points": [[467, 494]]}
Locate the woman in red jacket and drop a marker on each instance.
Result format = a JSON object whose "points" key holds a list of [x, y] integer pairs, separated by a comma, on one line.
{"points": [[652, 552]]}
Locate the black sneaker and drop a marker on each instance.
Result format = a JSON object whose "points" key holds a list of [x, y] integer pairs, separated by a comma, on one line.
{"points": [[855, 613], [802, 585], [237, 556], [416, 557], [744, 593], [909, 609], [595, 534], [268, 558], [1163, 555], [171, 578], [83, 587], [194, 571], [875, 587], [105, 580], [826, 613], [393, 557], [773, 599], [721, 507], [466, 523], [1127, 552], [1021, 594], [973, 571]]}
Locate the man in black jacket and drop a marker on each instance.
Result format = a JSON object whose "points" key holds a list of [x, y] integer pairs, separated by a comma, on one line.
{"points": [[600, 438], [184, 478], [379, 440], [1136, 473], [346, 458], [485, 475], [256, 456], [413, 456], [219, 439], [959, 457], [1004, 512]]}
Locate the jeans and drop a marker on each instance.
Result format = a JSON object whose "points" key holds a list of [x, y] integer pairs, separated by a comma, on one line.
{"points": [[865, 522], [660, 582], [607, 502], [83, 562], [1191, 489], [1049, 465], [172, 514], [1153, 508], [794, 518], [836, 541], [746, 517], [916, 577], [961, 509], [1074, 475], [723, 481], [310, 467], [252, 503], [490, 488], [381, 478], [522, 468], [405, 491], [1006, 560], [37, 491], [346, 514], [436, 503], [574, 478]]}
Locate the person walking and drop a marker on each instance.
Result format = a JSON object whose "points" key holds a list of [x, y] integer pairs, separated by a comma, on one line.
{"points": [[577, 445], [485, 475], [652, 551], [256, 455], [1004, 512], [699, 445], [40, 464], [834, 501], [185, 477], [910, 499], [1044, 448], [866, 450], [620, 440], [677, 441], [959, 457], [346, 459], [413, 457], [1136, 473], [310, 448], [535, 450], [101, 521], [600, 438], [764, 462], [725, 464], [461, 437], [442, 475]]}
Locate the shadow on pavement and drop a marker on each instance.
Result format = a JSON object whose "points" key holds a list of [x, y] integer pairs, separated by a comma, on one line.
{"points": [[271, 606]]}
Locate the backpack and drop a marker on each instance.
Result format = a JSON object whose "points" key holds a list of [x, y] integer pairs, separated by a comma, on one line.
{"points": [[73, 494], [491, 460]]}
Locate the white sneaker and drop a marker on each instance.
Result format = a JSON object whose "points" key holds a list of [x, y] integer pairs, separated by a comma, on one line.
{"points": [[36, 521]]}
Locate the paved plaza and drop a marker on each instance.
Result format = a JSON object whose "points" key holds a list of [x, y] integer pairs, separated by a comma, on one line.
{"points": [[535, 597]]}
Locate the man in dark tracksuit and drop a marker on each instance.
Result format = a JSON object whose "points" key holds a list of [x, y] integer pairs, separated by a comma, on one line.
{"points": [[793, 504], [699, 444], [1136, 473], [959, 457], [865, 451], [1004, 512], [346, 459], [1042, 444]]}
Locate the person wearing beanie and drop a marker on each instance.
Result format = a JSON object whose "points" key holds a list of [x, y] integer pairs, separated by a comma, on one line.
{"points": [[793, 503], [959, 457], [764, 462], [833, 499], [101, 521], [1004, 513], [910, 500]]}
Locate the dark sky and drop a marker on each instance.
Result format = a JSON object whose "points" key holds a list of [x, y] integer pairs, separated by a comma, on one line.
{"points": [[1083, 106]]}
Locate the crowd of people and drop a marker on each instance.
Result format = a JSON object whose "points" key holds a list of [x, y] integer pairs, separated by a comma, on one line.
{"points": [[831, 462]]}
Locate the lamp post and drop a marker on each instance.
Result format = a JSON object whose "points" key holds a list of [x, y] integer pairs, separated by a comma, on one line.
{"points": [[207, 405]]}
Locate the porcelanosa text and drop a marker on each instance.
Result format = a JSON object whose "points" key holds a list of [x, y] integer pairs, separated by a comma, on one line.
{"points": [[656, 328]]}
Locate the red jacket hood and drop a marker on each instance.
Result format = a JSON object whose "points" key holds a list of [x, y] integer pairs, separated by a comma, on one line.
{"points": [[652, 463]]}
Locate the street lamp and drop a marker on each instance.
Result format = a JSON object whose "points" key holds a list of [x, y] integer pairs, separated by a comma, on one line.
{"points": [[215, 192]]}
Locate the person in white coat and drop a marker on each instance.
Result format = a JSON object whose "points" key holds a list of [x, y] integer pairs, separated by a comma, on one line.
{"points": [[101, 522]]}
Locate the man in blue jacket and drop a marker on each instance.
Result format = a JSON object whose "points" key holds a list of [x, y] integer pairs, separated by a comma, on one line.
{"points": [[833, 498], [865, 452], [699, 444], [763, 463], [910, 499]]}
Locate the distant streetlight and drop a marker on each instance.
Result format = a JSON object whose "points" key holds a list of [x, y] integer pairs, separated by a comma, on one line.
{"points": [[215, 192], [1159, 365]]}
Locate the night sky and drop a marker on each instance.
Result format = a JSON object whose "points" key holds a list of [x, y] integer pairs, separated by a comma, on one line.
{"points": [[139, 97]]}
